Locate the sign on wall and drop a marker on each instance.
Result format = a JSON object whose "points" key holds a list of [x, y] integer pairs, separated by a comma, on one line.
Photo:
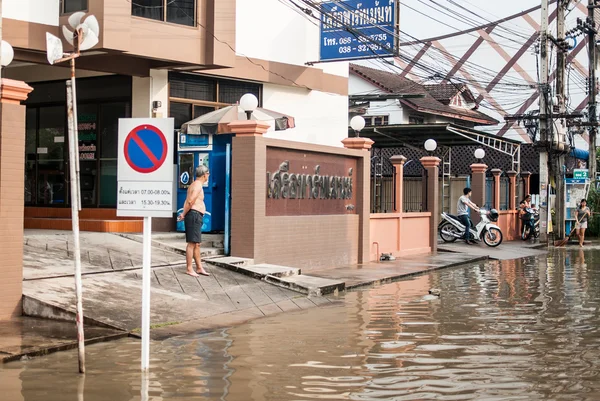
{"points": [[309, 183], [352, 29], [145, 167]]}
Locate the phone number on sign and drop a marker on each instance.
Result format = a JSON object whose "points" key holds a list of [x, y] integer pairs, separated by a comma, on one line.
{"points": [[363, 47]]}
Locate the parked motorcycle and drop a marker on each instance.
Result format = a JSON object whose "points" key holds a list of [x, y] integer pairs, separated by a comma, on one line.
{"points": [[531, 224], [451, 229]]}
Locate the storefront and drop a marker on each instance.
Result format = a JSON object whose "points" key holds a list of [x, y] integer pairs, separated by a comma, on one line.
{"points": [[101, 102]]}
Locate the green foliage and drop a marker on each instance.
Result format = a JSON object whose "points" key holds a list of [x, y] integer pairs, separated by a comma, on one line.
{"points": [[593, 202]]}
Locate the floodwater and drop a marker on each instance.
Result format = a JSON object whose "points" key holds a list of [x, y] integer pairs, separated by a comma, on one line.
{"points": [[514, 330]]}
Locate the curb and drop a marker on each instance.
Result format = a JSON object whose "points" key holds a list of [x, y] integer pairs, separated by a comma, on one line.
{"points": [[392, 279], [62, 347]]}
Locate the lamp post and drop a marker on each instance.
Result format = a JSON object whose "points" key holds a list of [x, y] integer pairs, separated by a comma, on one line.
{"points": [[248, 103], [430, 146], [357, 123], [479, 154]]}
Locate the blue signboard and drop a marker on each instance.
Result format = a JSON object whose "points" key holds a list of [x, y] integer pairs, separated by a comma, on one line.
{"points": [[353, 29]]}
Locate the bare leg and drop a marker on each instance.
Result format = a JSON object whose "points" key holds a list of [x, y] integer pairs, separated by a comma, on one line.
{"points": [[198, 259], [582, 237], [189, 255]]}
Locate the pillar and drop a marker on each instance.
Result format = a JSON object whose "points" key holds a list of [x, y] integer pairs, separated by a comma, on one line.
{"points": [[496, 199], [363, 202], [248, 189], [398, 163], [431, 164], [512, 190], [478, 187], [12, 188], [526, 182]]}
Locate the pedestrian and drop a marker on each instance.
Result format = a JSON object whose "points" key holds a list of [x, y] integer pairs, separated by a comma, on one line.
{"points": [[582, 214], [193, 214], [462, 210]]}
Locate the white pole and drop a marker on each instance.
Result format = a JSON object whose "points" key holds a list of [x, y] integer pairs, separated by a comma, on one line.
{"points": [[73, 156], [76, 128], [147, 261]]}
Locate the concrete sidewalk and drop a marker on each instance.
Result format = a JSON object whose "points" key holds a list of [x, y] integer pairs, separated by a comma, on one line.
{"points": [[505, 251], [112, 287]]}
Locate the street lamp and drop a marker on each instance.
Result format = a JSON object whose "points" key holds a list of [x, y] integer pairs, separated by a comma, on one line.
{"points": [[248, 103], [357, 123], [430, 146], [479, 154], [6, 53]]}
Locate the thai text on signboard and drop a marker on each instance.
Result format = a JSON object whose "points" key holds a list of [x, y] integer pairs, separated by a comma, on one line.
{"points": [[354, 29], [309, 183]]}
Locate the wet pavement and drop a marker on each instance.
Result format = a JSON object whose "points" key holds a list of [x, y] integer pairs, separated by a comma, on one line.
{"points": [[506, 251], [523, 329]]}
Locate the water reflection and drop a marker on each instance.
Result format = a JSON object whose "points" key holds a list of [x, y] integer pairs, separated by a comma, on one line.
{"points": [[524, 329]]}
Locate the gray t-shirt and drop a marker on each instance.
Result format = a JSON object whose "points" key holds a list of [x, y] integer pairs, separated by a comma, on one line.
{"points": [[461, 206], [580, 213]]}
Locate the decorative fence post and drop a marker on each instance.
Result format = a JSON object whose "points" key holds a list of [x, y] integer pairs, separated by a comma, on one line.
{"points": [[496, 199], [512, 190], [398, 163], [526, 182], [478, 186], [431, 165]]}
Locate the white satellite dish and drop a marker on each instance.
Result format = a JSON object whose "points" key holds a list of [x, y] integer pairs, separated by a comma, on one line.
{"points": [[54, 48], [90, 29]]}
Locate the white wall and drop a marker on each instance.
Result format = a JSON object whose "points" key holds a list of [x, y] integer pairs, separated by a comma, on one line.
{"points": [[38, 11], [147, 90], [391, 108], [277, 31], [321, 118]]}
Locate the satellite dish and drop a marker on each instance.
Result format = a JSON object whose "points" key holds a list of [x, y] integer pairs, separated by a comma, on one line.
{"points": [[90, 30], [54, 48]]}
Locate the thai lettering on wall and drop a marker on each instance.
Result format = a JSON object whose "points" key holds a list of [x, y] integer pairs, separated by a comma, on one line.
{"points": [[309, 183]]}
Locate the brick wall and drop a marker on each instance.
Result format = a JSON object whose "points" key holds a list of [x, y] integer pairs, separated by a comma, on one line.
{"points": [[12, 150], [303, 241]]}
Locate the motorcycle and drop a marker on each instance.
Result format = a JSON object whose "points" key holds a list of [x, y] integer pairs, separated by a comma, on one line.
{"points": [[451, 229], [531, 224]]}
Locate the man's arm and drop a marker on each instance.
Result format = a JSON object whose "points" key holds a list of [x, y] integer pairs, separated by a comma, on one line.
{"points": [[472, 205]]}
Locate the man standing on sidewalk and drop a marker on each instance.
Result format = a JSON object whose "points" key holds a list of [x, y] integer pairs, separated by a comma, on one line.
{"points": [[462, 210], [193, 214]]}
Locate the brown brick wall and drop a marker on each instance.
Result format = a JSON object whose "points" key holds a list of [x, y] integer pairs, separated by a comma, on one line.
{"points": [[303, 241], [12, 149]]}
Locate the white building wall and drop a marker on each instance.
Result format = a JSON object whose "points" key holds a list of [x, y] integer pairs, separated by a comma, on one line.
{"points": [[38, 11], [321, 118], [147, 90], [277, 31], [391, 108]]}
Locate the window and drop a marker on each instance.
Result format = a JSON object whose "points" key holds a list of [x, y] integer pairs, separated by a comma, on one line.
{"points": [[416, 120], [70, 6], [182, 12], [372, 121]]}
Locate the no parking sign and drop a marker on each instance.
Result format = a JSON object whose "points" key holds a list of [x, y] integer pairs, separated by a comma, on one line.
{"points": [[145, 169]]}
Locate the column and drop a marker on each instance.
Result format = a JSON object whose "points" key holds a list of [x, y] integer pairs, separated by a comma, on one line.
{"points": [[431, 164], [363, 203], [512, 190], [478, 187], [398, 163], [526, 182], [496, 199], [248, 189], [12, 172]]}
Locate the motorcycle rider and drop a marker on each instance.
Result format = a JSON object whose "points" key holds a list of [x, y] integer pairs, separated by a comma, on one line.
{"points": [[462, 211]]}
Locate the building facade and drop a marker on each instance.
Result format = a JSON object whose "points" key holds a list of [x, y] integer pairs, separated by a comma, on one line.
{"points": [[159, 58]]}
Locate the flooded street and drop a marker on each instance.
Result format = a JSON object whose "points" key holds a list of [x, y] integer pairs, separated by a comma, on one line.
{"points": [[514, 330]]}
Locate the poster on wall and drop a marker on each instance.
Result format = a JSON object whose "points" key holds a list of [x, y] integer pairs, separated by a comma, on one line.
{"points": [[358, 29]]}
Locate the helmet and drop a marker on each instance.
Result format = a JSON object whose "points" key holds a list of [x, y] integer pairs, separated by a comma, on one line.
{"points": [[493, 215]]}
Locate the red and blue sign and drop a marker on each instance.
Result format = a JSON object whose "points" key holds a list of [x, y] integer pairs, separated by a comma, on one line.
{"points": [[145, 149]]}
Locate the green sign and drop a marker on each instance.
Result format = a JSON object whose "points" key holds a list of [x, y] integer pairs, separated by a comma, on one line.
{"points": [[580, 173]]}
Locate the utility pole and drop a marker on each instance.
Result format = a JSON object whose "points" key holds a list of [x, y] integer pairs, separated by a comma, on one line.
{"points": [[559, 137], [543, 140], [592, 89]]}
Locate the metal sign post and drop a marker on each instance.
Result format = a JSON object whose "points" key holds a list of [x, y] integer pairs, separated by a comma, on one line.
{"points": [[145, 189]]}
